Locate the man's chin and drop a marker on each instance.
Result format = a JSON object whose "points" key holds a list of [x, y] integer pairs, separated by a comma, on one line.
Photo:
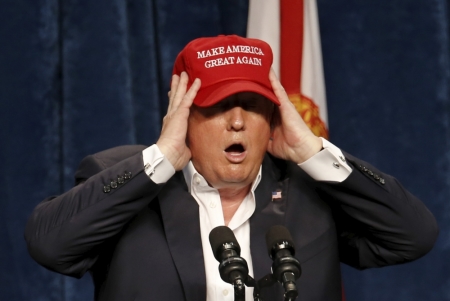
{"points": [[235, 179]]}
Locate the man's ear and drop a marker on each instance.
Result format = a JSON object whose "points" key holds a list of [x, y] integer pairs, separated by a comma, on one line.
{"points": [[187, 134], [193, 107], [275, 118]]}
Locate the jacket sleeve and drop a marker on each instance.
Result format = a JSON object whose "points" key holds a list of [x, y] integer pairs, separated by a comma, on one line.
{"points": [[65, 233], [379, 222]]}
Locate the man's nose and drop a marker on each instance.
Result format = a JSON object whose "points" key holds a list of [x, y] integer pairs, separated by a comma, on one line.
{"points": [[236, 119]]}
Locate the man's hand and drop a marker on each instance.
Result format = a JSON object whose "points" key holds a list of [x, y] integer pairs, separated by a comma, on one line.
{"points": [[291, 138], [172, 141]]}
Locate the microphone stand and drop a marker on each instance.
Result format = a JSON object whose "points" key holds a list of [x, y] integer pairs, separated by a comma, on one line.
{"points": [[269, 280], [290, 287], [239, 290], [266, 281]]}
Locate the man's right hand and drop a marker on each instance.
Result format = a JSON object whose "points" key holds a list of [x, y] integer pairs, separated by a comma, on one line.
{"points": [[172, 141]]}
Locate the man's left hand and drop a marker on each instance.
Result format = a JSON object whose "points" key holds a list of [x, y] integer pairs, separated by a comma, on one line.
{"points": [[291, 138]]}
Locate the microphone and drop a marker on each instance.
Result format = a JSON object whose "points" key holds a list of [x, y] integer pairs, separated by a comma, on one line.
{"points": [[285, 268], [233, 269]]}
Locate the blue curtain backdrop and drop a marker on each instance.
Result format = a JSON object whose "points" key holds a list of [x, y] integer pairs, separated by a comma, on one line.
{"points": [[80, 76]]}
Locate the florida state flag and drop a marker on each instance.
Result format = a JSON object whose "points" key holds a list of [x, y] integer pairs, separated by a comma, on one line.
{"points": [[291, 28]]}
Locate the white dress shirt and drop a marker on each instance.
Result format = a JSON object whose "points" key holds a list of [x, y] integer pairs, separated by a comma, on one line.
{"points": [[327, 165]]}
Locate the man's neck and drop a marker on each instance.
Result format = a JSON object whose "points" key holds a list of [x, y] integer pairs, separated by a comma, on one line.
{"points": [[231, 199]]}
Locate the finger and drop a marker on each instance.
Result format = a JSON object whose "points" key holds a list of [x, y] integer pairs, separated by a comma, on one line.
{"points": [[191, 94], [278, 89], [173, 87], [174, 83], [180, 91]]}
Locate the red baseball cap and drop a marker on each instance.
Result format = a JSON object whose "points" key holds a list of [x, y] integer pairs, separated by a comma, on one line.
{"points": [[226, 65]]}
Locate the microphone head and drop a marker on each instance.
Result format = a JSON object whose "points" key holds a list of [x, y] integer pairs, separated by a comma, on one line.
{"points": [[222, 238], [277, 238]]}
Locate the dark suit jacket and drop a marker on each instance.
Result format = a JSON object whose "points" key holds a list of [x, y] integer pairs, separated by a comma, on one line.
{"points": [[141, 241]]}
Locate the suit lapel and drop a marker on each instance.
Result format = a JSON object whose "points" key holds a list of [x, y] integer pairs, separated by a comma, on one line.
{"points": [[180, 214], [268, 212]]}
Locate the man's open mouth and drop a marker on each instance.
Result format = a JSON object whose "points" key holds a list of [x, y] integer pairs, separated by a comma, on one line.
{"points": [[235, 148]]}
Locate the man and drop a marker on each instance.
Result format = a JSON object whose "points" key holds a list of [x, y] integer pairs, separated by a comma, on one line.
{"points": [[232, 151]]}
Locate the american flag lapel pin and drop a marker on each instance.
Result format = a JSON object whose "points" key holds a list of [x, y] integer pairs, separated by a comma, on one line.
{"points": [[276, 195]]}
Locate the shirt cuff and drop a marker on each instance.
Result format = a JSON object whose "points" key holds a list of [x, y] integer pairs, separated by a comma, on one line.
{"points": [[156, 165], [327, 165]]}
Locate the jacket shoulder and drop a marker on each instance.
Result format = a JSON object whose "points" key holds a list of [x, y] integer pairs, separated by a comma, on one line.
{"points": [[93, 164]]}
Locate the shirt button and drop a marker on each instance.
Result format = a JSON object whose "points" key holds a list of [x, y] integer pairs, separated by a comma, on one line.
{"points": [[197, 180], [212, 205], [225, 292]]}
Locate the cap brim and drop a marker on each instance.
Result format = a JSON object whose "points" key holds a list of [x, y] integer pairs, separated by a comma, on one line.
{"points": [[213, 94]]}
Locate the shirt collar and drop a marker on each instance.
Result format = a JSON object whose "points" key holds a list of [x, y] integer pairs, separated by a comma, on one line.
{"points": [[189, 173]]}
